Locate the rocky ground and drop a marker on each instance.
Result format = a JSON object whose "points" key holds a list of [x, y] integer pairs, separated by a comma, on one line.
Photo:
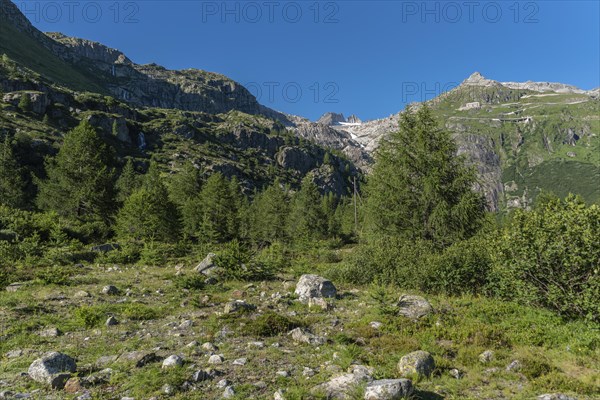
{"points": [[148, 332]]}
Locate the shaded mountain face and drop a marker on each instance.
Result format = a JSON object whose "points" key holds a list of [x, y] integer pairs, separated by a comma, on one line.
{"points": [[147, 110], [86, 65]]}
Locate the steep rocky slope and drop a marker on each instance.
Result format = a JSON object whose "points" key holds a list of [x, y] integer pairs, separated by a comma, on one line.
{"points": [[523, 138]]}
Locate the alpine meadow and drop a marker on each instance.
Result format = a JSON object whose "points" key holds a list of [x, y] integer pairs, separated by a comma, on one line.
{"points": [[171, 233]]}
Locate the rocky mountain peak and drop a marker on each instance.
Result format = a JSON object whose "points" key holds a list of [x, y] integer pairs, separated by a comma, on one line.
{"points": [[476, 79], [353, 119], [331, 118]]}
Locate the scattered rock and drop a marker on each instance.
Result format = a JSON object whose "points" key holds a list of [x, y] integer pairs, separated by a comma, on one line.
{"points": [[201, 376], [208, 346], [81, 294], [301, 335], [555, 396], [98, 378], [283, 374], [341, 386], [168, 389], [240, 361], [216, 359], [105, 360], [413, 307], [186, 324], [514, 366], [319, 302], [486, 356], [14, 353], [139, 358], [110, 290], [53, 369], [416, 363], [456, 373], [50, 332], [238, 306], [72, 386], [111, 321], [376, 325], [389, 389], [223, 383], [172, 361], [85, 396], [207, 266], [279, 395], [13, 287], [228, 393], [314, 286]]}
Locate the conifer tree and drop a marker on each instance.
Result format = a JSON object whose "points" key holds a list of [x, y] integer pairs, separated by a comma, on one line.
{"points": [[307, 220], [80, 180], [420, 188], [128, 181], [185, 185], [212, 215], [269, 214], [148, 214], [12, 185]]}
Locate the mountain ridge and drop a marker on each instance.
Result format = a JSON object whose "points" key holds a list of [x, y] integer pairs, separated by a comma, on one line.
{"points": [[499, 126]]}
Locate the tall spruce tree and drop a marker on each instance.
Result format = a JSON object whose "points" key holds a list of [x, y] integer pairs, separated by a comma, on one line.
{"points": [[80, 180], [12, 185], [186, 184], [148, 214], [420, 188], [269, 215], [307, 219], [218, 209], [128, 181]]}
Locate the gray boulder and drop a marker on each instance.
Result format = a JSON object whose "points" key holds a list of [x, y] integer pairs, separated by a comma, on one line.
{"points": [[314, 286], [342, 386], [172, 361], [416, 363], [300, 335], [238, 306], [207, 266], [389, 389], [110, 290], [413, 307], [53, 368], [555, 396]]}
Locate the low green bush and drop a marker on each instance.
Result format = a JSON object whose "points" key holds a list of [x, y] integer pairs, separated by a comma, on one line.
{"points": [[550, 257], [235, 262], [90, 316], [388, 260], [271, 324], [194, 281], [140, 312]]}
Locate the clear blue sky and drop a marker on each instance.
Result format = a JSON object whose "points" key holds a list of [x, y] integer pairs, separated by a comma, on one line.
{"points": [[364, 57]]}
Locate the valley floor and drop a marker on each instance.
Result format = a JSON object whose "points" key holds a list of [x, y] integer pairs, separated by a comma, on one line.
{"points": [[161, 314]]}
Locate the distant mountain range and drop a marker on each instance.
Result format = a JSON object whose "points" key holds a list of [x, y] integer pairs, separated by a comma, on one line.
{"points": [[523, 138]]}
